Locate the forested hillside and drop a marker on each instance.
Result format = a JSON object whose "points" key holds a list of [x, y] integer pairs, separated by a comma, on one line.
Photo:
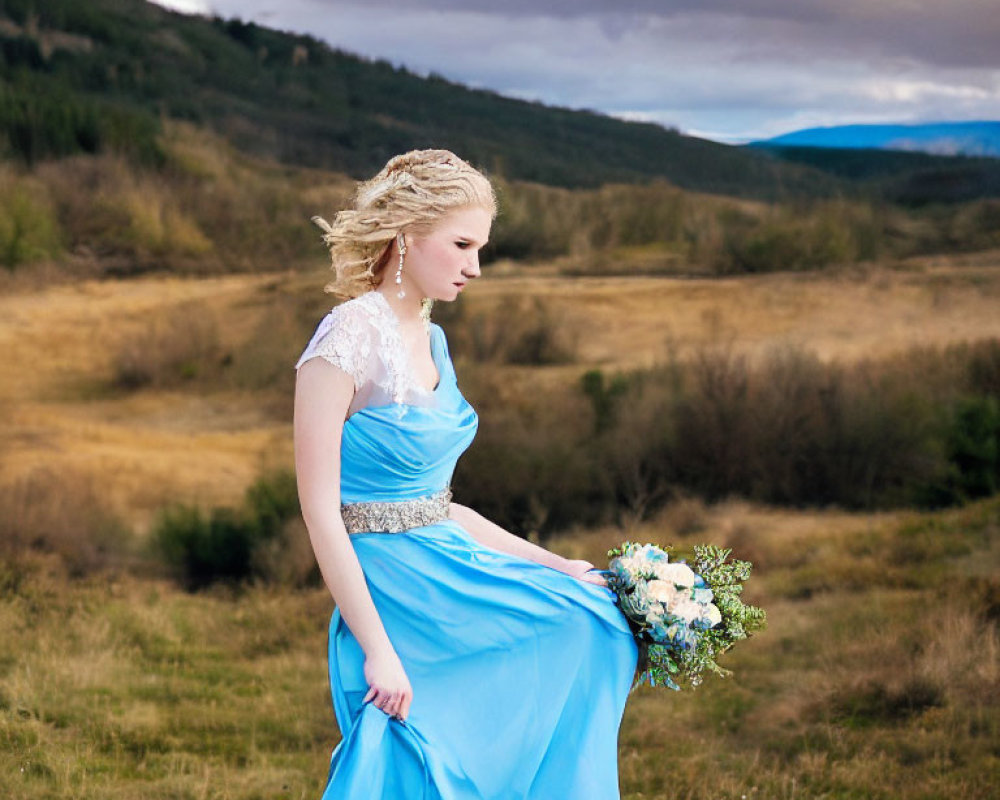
{"points": [[133, 138], [100, 75]]}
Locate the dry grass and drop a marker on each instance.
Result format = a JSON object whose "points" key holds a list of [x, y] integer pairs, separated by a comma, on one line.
{"points": [[876, 678], [206, 442], [871, 313], [880, 686], [127, 688], [130, 689]]}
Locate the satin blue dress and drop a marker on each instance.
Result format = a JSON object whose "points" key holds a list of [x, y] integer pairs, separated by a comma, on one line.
{"points": [[520, 673]]}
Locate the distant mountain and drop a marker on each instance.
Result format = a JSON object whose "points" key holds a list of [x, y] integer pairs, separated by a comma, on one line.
{"points": [[937, 138]]}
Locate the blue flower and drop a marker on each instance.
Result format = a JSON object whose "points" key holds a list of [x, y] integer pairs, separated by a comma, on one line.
{"points": [[703, 596]]}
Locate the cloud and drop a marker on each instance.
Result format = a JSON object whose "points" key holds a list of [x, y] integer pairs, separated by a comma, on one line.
{"points": [[737, 68], [953, 33], [186, 6]]}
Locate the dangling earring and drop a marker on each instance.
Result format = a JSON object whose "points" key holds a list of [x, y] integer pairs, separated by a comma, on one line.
{"points": [[401, 244]]}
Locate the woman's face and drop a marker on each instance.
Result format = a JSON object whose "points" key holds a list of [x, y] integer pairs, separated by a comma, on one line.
{"points": [[438, 263]]}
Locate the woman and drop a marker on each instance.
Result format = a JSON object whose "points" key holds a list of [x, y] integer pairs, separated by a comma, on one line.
{"points": [[465, 662]]}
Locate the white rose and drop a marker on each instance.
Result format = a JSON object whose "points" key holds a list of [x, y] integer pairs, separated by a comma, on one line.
{"points": [[678, 573], [635, 566], [662, 591], [688, 610], [714, 615]]}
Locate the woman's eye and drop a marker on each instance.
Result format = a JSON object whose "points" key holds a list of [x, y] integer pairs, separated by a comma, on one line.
{"points": [[462, 245]]}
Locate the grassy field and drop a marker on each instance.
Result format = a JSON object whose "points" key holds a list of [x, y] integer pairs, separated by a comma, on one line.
{"points": [[217, 407], [877, 677]]}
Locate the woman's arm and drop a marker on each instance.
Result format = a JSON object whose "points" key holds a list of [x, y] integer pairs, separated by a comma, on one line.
{"points": [[323, 393], [492, 535]]}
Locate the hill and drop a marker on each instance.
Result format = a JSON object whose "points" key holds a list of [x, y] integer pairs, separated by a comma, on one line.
{"points": [[104, 76], [87, 77], [909, 178], [939, 138]]}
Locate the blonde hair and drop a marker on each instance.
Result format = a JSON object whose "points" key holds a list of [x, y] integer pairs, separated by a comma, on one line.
{"points": [[411, 193]]}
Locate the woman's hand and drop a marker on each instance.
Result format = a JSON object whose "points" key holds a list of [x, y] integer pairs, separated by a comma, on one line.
{"points": [[581, 569], [388, 687]]}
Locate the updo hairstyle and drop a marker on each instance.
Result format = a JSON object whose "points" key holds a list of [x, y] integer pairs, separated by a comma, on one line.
{"points": [[411, 193]]}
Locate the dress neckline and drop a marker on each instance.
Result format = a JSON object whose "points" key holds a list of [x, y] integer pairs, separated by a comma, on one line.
{"points": [[406, 353]]}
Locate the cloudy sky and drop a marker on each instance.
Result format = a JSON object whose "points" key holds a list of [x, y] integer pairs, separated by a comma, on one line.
{"points": [[729, 70]]}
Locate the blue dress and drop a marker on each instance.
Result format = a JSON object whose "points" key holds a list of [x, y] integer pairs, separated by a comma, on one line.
{"points": [[520, 673]]}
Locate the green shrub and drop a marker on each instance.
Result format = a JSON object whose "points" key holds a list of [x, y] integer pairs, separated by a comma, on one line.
{"points": [[789, 429], [603, 396], [974, 446], [227, 544], [29, 230]]}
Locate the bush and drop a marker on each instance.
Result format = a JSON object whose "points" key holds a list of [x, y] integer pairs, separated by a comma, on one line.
{"points": [[29, 230], [205, 548], [231, 545], [788, 429], [518, 331], [974, 446]]}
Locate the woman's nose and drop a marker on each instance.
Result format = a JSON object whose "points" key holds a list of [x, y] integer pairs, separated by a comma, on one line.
{"points": [[472, 268]]}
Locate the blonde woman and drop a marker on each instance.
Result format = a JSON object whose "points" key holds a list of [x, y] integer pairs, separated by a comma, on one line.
{"points": [[465, 662]]}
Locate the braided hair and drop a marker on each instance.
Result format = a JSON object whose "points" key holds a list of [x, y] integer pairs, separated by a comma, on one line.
{"points": [[410, 193]]}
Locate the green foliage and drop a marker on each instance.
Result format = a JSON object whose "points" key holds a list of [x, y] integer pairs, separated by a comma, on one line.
{"points": [[974, 446], [917, 430], [29, 230], [271, 501], [119, 68], [603, 396], [726, 579], [662, 660], [225, 545], [205, 549], [908, 178], [294, 98], [38, 123]]}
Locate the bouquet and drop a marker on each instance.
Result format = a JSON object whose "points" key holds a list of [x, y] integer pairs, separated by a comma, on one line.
{"points": [[682, 618]]}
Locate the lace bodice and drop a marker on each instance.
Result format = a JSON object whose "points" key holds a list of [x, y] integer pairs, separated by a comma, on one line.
{"points": [[362, 337]]}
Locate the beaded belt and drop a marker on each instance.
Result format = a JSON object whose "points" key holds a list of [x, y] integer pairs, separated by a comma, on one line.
{"points": [[396, 516]]}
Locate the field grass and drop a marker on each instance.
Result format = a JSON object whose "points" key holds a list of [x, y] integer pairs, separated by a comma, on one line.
{"points": [[216, 408], [877, 676]]}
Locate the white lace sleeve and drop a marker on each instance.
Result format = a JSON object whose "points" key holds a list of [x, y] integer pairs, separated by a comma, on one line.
{"points": [[361, 336], [344, 338]]}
